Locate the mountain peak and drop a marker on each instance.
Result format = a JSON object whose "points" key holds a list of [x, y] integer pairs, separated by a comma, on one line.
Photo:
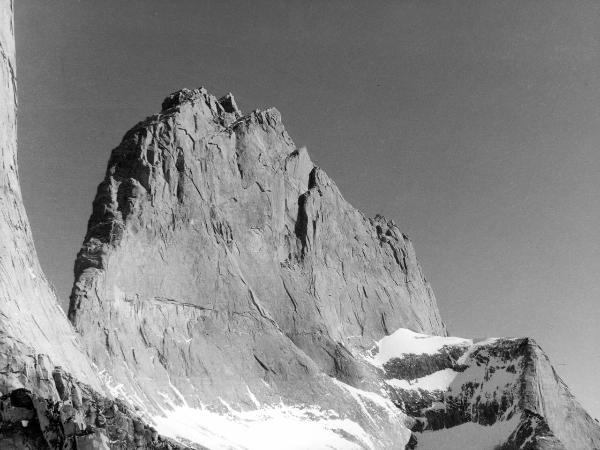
{"points": [[226, 295]]}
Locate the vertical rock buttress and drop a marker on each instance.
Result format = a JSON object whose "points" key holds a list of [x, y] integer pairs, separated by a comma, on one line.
{"points": [[50, 394], [33, 328]]}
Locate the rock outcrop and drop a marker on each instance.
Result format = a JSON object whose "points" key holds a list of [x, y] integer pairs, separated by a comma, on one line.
{"points": [[503, 389], [78, 418]]}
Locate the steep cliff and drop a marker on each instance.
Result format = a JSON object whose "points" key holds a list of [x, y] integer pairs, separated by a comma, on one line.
{"points": [[31, 322], [231, 292], [50, 393], [220, 261]]}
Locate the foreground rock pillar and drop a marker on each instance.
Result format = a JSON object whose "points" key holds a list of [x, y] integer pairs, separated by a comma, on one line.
{"points": [[32, 325]]}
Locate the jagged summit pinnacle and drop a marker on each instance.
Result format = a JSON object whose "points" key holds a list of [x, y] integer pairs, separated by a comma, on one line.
{"points": [[183, 95], [224, 109], [226, 103]]}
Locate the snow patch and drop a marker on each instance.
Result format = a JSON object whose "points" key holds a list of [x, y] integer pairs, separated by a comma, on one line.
{"points": [[437, 381], [116, 389], [31, 272], [272, 427], [296, 427], [253, 398], [404, 341], [177, 393]]}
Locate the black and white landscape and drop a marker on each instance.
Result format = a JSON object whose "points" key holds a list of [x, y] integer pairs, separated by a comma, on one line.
{"points": [[227, 296]]}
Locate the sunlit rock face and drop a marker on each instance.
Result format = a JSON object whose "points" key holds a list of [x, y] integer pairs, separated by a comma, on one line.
{"points": [[496, 393], [229, 291], [50, 394], [219, 260], [31, 322]]}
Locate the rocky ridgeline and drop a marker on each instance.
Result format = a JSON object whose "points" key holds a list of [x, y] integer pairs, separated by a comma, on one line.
{"points": [[497, 381]]}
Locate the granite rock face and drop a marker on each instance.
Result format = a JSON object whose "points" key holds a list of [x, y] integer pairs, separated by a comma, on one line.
{"points": [[223, 273], [50, 392], [220, 260], [30, 319]]}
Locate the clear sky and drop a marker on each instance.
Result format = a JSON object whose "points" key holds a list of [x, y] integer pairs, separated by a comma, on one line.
{"points": [[474, 124]]}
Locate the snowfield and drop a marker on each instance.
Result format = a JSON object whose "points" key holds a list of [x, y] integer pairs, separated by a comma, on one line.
{"points": [[274, 427], [269, 428], [403, 342]]}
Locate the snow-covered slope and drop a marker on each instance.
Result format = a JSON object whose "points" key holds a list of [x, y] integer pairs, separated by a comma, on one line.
{"points": [[278, 426], [405, 342], [465, 394]]}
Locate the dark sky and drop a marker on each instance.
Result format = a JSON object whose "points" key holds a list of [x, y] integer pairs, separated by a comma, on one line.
{"points": [[475, 125]]}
